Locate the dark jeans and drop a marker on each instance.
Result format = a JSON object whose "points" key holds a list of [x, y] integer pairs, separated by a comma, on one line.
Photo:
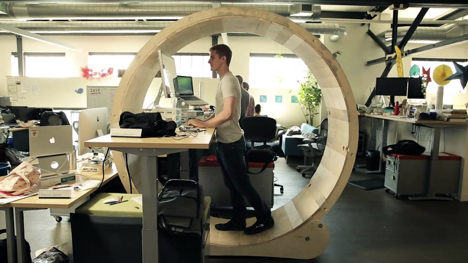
{"points": [[232, 161]]}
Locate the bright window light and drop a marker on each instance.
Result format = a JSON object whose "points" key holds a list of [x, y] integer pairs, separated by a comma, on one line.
{"points": [[99, 62], [46, 65], [451, 89], [276, 72], [14, 66], [194, 65]]}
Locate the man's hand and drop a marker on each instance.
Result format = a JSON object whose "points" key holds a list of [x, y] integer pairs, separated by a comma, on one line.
{"points": [[196, 123]]}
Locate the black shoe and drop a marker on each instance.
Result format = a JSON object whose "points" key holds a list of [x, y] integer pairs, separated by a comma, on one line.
{"points": [[260, 226], [230, 226]]}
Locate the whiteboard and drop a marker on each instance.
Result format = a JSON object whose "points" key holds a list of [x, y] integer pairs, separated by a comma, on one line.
{"points": [[100, 96]]}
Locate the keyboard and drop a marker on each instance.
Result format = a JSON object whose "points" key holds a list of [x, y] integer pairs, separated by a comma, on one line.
{"points": [[191, 98]]}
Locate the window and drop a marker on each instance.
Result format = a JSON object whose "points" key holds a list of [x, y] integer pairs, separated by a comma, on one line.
{"points": [[454, 87], [42, 65], [193, 64], [189, 64], [14, 65], [103, 61], [276, 71]]}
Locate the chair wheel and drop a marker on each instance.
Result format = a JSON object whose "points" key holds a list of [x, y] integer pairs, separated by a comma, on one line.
{"points": [[58, 219], [282, 190], [298, 169], [387, 190], [303, 174]]}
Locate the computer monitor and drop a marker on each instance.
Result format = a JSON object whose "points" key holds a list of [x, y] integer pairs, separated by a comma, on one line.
{"points": [[391, 86], [415, 88], [92, 124], [29, 114], [168, 73], [183, 86], [15, 110]]}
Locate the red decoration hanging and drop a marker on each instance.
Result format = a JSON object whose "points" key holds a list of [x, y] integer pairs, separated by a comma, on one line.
{"points": [[91, 74], [427, 73]]}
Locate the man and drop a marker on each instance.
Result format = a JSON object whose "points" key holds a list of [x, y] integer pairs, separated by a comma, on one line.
{"points": [[245, 99], [258, 109], [231, 147], [251, 108]]}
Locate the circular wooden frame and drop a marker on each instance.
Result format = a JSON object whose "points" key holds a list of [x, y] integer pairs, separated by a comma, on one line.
{"points": [[327, 184]]}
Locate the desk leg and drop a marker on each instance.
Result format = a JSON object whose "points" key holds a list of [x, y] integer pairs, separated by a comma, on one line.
{"points": [[10, 231], [184, 165], [383, 135], [150, 210], [20, 240], [430, 184]]}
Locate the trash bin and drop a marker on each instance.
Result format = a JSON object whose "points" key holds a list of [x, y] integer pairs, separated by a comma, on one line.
{"points": [[372, 160], [4, 168]]}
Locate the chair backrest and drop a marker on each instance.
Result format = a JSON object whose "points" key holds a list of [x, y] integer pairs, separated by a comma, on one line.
{"points": [[259, 128], [323, 135]]}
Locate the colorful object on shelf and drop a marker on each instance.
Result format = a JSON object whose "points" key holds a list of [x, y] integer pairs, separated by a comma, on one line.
{"points": [[396, 111], [441, 73], [91, 74], [415, 71], [461, 74], [399, 62], [427, 73]]}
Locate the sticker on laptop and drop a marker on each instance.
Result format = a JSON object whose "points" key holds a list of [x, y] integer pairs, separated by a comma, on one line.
{"points": [[34, 133]]}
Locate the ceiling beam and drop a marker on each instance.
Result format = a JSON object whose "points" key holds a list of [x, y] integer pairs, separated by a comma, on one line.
{"points": [[412, 3], [36, 37]]}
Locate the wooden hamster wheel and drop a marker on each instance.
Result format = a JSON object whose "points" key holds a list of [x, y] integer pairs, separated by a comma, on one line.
{"points": [[298, 231]]}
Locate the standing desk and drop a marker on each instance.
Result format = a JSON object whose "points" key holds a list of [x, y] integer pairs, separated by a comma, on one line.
{"points": [[434, 124], [149, 149], [35, 203]]}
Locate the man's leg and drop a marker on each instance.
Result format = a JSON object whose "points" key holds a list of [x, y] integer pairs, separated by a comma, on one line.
{"points": [[237, 170], [239, 210]]}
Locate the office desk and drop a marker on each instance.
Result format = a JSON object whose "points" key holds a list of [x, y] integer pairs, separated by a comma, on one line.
{"points": [[149, 149], [434, 124], [35, 203]]}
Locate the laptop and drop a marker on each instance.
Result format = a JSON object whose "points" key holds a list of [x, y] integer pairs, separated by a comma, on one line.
{"points": [[50, 140], [52, 165], [9, 120], [183, 87]]}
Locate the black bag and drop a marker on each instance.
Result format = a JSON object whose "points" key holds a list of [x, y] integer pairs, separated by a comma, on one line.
{"points": [[3, 249], [408, 147], [181, 204], [151, 124], [50, 118], [260, 154]]}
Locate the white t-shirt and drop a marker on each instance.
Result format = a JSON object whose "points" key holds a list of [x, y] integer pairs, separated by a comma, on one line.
{"points": [[229, 131]]}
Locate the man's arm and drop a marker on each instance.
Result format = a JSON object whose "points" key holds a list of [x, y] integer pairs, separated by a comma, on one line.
{"points": [[226, 114]]}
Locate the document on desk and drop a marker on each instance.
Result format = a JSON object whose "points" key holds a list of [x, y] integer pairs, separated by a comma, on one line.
{"points": [[7, 200], [138, 199]]}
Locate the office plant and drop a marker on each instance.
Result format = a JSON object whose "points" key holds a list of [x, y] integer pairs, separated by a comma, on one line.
{"points": [[310, 97]]}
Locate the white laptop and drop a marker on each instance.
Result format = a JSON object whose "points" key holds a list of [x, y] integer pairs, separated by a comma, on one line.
{"points": [[52, 165], [50, 140]]}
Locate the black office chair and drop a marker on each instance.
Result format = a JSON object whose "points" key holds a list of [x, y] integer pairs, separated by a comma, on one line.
{"points": [[260, 129], [313, 148]]}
